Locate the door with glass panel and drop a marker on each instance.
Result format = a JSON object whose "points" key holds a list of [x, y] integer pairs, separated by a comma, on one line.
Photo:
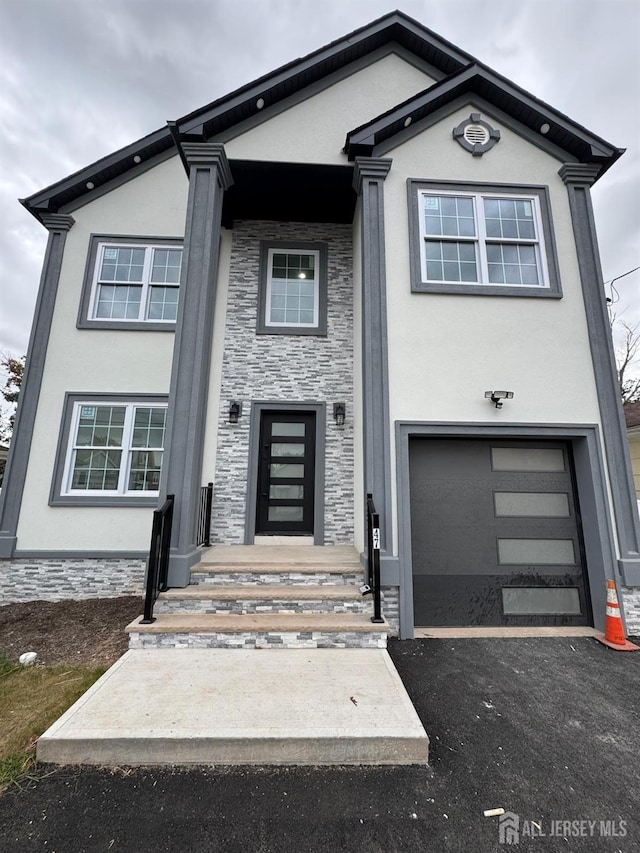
{"points": [[496, 534], [287, 473]]}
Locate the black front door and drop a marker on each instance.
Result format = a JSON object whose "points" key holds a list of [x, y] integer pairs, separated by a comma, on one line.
{"points": [[496, 534], [287, 473]]}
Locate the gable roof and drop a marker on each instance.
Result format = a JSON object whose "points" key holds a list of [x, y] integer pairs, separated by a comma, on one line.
{"points": [[477, 79], [218, 116], [457, 72]]}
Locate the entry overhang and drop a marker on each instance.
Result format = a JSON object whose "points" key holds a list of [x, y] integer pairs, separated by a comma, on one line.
{"points": [[289, 192]]}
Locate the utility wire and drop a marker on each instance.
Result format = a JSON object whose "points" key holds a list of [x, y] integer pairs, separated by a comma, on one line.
{"points": [[611, 300]]}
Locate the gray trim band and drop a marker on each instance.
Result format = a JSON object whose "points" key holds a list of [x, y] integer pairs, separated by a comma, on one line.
{"points": [[590, 483], [368, 181], [18, 459], [81, 555], [209, 177], [578, 178], [257, 408]]}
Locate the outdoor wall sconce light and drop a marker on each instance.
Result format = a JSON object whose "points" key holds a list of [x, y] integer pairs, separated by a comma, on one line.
{"points": [[498, 396], [235, 410], [339, 412]]}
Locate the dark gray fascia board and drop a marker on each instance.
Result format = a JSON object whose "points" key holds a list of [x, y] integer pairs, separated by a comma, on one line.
{"points": [[63, 193], [300, 73], [257, 117], [239, 105], [473, 103], [497, 90]]}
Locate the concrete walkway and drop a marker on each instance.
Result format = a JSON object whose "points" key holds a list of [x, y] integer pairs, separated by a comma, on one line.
{"points": [[545, 728], [234, 706]]}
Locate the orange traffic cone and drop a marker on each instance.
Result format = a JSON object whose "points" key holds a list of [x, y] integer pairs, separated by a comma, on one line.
{"points": [[613, 633]]}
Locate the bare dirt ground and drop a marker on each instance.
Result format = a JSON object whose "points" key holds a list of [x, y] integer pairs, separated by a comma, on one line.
{"points": [[89, 632]]}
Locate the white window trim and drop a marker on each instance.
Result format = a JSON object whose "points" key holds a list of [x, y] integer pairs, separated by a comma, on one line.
{"points": [[146, 284], [125, 448], [480, 240], [316, 292]]}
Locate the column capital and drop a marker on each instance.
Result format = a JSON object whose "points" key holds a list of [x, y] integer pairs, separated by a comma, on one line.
{"points": [[579, 173], [57, 221], [370, 167], [209, 154]]}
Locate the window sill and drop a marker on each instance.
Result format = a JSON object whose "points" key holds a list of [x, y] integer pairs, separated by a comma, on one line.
{"points": [[126, 325], [107, 501], [292, 330], [485, 290]]}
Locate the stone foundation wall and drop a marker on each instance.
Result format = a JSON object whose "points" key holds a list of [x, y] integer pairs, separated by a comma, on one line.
{"points": [[391, 608], [271, 640], [631, 603], [57, 580]]}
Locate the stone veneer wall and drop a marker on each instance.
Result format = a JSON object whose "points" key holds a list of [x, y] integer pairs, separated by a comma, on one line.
{"points": [[57, 580], [391, 608], [285, 369], [631, 602]]}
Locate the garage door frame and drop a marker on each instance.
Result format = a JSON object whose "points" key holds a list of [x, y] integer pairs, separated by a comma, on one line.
{"points": [[585, 440]]}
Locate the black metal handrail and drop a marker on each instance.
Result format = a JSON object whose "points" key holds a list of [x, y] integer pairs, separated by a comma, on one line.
{"points": [[373, 557], [158, 568], [203, 531]]}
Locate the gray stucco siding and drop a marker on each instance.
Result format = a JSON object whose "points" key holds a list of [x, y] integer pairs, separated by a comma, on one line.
{"points": [[285, 369]]}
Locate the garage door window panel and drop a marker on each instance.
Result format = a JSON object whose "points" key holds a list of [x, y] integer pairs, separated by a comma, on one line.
{"points": [[531, 504]]}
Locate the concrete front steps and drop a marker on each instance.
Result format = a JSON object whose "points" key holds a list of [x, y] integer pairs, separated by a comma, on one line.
{"points": [[193, 690], [266, 596]]}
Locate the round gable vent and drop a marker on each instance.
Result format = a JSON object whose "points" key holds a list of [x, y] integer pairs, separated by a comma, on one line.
{"points": [[476, 135]]}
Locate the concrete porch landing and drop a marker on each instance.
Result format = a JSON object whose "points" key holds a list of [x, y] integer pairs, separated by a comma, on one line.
{"points": [[221, 706]]}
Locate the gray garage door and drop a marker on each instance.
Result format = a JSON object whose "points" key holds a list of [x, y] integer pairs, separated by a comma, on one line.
{"points": [[495, 534]]}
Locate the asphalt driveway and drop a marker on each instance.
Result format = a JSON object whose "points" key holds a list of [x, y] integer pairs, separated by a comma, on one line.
{"points": [[548, 729]]}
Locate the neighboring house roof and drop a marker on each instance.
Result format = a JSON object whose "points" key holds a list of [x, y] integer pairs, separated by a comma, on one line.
{"points": [[632, 415], [456, 73]]}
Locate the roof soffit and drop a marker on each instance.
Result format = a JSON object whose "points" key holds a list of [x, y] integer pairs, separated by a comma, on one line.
{"points": [[300, 77], [564, 135]]}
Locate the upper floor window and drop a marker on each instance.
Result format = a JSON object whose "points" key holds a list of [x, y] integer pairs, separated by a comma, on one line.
{"points": [[131, 284], [293, 289], [482, 240], [137, 283]]}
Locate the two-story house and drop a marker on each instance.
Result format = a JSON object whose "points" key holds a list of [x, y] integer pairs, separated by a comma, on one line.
{"points": [[372, 271]]}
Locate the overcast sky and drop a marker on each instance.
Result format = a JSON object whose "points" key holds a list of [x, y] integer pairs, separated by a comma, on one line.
{"points": [[81, 78]]}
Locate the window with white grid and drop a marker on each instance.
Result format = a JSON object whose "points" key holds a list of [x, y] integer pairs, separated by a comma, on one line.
{"points": [[136, 283], [115, 449], [292, 288], [481, 239]]}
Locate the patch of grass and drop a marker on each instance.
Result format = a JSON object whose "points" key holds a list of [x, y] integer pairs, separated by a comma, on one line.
{"points": [[31, 699]]}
